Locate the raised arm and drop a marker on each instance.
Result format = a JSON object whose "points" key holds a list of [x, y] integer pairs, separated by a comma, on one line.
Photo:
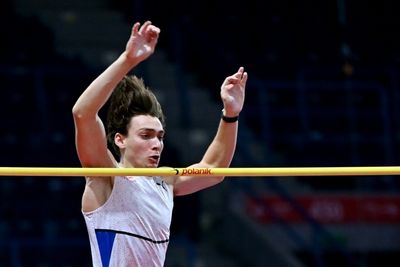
{"points": [[90, 136], [222, 148]]}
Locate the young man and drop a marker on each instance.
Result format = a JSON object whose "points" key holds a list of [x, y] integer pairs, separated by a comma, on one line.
{"points": [[128, 218]]}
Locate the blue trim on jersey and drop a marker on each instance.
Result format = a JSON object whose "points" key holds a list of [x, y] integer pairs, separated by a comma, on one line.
{"points": [[105, 240], [134, 235]]}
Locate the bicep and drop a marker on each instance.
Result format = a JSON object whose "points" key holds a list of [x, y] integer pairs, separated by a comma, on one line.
{"points": [[91, 143]]}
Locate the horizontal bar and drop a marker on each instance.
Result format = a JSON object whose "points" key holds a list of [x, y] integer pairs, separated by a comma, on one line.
{"points": [[295, 171]]}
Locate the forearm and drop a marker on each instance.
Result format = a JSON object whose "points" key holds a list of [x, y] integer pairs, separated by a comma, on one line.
{"points": [[98, 92], [222, 148]]}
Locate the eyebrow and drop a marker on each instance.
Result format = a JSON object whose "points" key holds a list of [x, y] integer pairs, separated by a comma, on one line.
{"points": [[151, 130]]}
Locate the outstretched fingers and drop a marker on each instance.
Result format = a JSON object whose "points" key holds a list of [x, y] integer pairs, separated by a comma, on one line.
{"points": [[153, 33], [144, 27], [140, 29], [147, 30], [240, 72], [239, 77], [135, 28], [244, 78]]}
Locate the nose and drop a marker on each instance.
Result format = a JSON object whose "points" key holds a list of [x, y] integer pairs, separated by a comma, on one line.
{"points": [[157, 144]]}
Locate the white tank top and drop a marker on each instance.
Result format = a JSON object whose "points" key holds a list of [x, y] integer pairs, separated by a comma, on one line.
{"points": [[132, 228]]}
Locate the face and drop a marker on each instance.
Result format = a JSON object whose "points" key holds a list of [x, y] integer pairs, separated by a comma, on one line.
{"points": [[143, 144]]}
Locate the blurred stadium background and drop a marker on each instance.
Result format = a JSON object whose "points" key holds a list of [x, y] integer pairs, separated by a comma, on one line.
{"points": [[323, 90]]}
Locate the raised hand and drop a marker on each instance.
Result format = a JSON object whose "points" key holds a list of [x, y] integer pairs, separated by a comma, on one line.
{"points": [[142, 41], [233, 92]]}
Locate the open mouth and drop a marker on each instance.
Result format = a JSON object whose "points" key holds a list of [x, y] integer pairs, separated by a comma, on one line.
{"points": [[154, 158]]}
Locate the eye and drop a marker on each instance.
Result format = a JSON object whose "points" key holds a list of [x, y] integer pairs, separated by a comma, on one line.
{"points": [[145, 136]]}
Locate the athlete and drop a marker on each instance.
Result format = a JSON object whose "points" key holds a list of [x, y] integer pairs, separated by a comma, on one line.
{"points": [[128, 218]]}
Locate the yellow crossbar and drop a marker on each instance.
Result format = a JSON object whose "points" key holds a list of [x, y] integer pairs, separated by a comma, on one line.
{"points": [[273, 171]]}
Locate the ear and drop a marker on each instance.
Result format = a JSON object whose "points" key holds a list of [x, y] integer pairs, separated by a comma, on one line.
{"points": [[119, 140]]}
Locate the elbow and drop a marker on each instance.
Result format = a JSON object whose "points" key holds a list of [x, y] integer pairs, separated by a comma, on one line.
{"points": [[216, 179], [219, 179], [76, 111], [80, 113]]}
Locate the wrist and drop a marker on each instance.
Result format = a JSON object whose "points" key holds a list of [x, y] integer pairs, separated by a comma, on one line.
{"points": [[128, 60], [229, 118], [229, 113]]}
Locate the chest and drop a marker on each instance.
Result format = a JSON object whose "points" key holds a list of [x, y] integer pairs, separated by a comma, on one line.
{"points": [[149, 198]]}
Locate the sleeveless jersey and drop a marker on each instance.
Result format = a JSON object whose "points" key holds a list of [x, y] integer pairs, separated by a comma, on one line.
{"points": [[132, 228]]}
